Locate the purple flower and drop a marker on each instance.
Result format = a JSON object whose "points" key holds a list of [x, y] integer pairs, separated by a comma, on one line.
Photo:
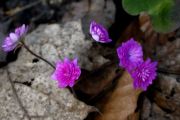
{"points": [[130, 54], [144, 74], [66, 73], [12, 40], [21, 31], [99, 33]]}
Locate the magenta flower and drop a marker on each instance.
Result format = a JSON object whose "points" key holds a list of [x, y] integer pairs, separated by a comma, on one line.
{"points": [[99, 33], [66, 73], [12, 40], [144, 74], [130, 54], [21, 31]]}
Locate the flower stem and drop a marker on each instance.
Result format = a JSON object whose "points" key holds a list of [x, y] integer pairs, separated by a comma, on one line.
{"points": [[46, 61]]}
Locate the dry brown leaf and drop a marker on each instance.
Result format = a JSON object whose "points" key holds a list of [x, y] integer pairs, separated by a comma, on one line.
{"points": [[133, 30], [123, 101], [94, 83], [151, 38]]}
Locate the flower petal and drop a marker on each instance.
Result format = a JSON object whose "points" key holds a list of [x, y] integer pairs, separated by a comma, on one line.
{"points": [[13, 37], [130, 54], [99, 33], [66, 72]]}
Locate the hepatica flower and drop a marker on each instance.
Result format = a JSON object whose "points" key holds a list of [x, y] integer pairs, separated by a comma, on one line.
{"points": [[130, 54], [66, 72], [99, 33], [144, 74], [11, 41], [131, 58]]}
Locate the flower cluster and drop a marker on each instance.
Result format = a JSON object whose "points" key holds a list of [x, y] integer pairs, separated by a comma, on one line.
{"points": [[131, 58], [66, 73], [12, 40]]}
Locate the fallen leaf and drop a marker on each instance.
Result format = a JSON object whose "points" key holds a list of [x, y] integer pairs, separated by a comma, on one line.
{"points": [[122, 102], [152, 39], [94, 83]]}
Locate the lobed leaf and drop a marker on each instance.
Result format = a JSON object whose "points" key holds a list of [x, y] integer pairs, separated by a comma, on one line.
{"points": [[164, 14]]}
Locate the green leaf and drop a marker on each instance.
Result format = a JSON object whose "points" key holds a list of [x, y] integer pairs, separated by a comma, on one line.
{"points": [[161, 16], [161, 24], [165, 14], [134, 7]]}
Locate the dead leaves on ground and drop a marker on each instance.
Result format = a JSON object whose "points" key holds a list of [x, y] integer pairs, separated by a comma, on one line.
{"points": [[119, 98], [151, 38], [122, 102], [95, 83]]}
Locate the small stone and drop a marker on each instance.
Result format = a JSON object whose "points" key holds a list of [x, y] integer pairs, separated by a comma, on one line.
{"points": [[172, 62], [166, 83]]}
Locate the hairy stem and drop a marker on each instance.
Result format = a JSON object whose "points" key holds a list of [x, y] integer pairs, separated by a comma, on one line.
{"points": [[46, 61]]}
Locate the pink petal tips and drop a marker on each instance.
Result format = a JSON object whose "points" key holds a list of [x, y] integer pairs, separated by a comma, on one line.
{"points": [[99, 33], [11, 41], [130, 54], [66, 73], [144, 74], [131, 58]]}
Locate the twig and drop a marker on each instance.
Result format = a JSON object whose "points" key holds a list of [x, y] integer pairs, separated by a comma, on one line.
{"points": [[16, 96], [17, 10], [166, 71]]}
